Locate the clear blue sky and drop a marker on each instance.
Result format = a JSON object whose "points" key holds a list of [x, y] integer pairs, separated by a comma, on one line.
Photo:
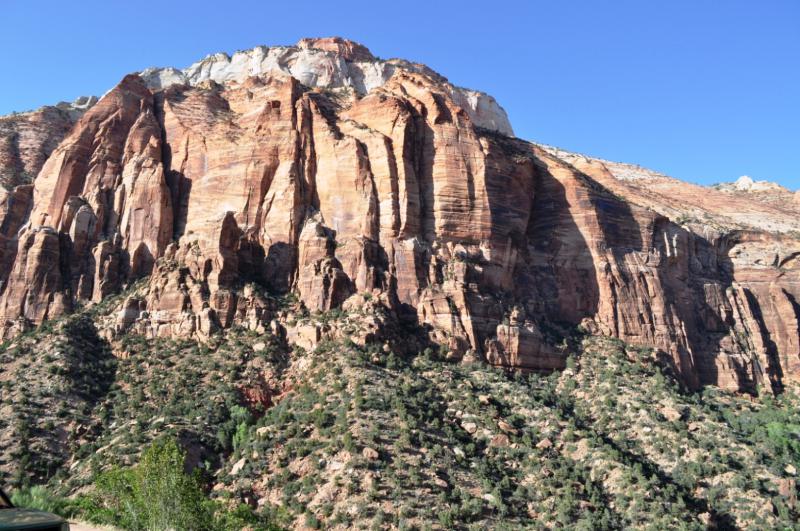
{"points": [[704, 90]]}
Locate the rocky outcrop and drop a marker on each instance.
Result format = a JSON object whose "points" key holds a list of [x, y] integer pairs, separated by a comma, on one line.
{"points": [[649, 281], [745, 204], [250, 171], [27, 139], [329, 63]]}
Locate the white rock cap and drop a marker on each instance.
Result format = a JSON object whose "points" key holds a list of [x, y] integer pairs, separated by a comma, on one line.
{"points": [[315, 67]]}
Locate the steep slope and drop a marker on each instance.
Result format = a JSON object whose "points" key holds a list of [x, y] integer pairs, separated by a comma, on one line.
{"points": [[742, 205], [330, 63], [368, 438], [320, 170], [350, 435], [280, 257], [27, 139]]}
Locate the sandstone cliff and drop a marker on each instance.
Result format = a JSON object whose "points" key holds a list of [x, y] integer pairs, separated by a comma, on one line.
{"points": [[321, 170], [27, 139]]}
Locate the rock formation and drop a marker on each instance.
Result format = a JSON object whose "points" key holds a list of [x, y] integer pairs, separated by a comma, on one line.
{"points": [[27, 139], [321, 170]]}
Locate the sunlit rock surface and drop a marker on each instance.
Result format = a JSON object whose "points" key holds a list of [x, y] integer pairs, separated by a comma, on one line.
{"points": [[321, 170]]}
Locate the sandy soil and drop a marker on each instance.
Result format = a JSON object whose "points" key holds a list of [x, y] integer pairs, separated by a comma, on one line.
{"points": [[82, 526]]}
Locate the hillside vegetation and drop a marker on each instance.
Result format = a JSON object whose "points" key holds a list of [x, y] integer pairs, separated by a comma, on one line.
{"points": [[273, 436]]}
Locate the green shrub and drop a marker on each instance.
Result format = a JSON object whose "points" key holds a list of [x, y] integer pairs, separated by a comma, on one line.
{"points": [[242, 517], [156, 494], [38, 497]]}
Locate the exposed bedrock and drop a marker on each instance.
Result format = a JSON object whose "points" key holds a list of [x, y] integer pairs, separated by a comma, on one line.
{"points": [[494, 244]]}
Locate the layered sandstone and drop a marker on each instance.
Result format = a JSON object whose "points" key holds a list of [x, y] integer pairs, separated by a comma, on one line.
{"points": [[320, 170], [330, 63], [742, 205], [27, 139]]}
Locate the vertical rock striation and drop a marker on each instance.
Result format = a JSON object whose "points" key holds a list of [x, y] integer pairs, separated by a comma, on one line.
{"points": [[321, 170]]}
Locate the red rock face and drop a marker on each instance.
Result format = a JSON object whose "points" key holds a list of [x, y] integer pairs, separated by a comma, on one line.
{"points": [[26, 142], [346, 49], [495, 244], [28, 139]]}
